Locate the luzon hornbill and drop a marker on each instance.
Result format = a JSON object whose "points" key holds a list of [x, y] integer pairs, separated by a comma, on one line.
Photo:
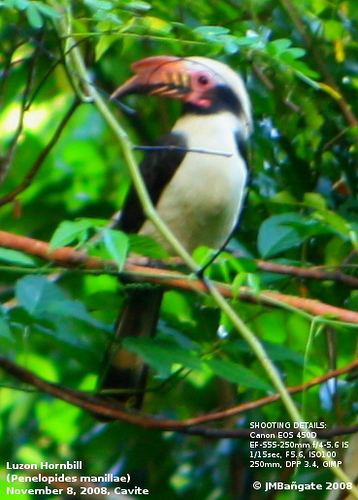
{"points": [[199, 196]]}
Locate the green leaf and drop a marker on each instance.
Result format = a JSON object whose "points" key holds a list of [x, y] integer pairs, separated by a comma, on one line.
{"points": [[162, 354], [279, 352], [144, 245], [248, 41], [237, 374], [69, 232], [58, 420], [333, 30], [43, 299], [34, 293], [202, 255], [242, 264], [5, 333], [314, 200], [254, 282], [117, 244], [295, 53], [176, 304], [46, 10], [138, 6], [155, 25], [284, 198], [334, 221], [17, 258], [34, 17], [99, 4], [107, 40], [278, 46], [275, 351], [277, 234], [319, 5], [230, 43], [211, 31], [18, 4], [238, 282], [39, 365]]}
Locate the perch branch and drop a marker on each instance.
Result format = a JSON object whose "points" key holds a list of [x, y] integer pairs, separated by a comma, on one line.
{"points": [[70, 258], [101, 406]]}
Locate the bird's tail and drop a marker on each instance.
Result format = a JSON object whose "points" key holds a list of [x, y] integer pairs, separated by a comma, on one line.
{"points": [[124, 375]]}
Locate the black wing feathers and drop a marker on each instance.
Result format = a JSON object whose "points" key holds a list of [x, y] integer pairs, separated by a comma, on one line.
{"points": [[157, 169]]}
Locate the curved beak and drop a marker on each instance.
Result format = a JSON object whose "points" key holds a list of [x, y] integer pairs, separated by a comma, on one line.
{"points": [[158, 75]]}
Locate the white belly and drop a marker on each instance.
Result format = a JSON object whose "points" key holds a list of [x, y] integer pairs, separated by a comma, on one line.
{"points": [[203, 200]]}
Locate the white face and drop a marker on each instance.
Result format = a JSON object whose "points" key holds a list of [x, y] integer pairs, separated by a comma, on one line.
{"points": [[207, 70]]}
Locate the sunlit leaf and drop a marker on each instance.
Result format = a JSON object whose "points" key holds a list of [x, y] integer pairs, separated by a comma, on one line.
{"points": [[17, 258], [138, 6], [315, 200], [58, 420], [34, 16], [278, 46], [39, 365], [99, 4], [144, 245], [117, 245], [46, 10], [211, 31], [333, 29], [69, 232], [333, 220]]}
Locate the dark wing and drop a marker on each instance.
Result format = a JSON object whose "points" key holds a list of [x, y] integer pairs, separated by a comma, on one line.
{"points": [[157, 169], [242, 148]]}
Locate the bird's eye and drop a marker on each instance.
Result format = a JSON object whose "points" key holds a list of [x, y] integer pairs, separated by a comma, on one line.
{"points": [[203, 80]]}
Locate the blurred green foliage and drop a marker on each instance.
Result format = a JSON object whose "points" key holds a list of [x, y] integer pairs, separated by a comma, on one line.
{"points": [[299, 61]]}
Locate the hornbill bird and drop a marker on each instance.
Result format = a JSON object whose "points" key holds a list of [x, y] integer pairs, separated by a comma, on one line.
{"points": [[199, 196]]}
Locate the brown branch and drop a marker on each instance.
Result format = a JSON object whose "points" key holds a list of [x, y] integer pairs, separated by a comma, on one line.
{"points": [[41, 158], [262, 77], [311, 44], [244, 407], [259, 72], [68, 257], [308, 273], [104, 408]]}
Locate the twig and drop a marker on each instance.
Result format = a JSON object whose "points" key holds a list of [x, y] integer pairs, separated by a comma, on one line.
{"points": [[6, 160], [311, 44], [262, 77], [251, 405], [41, 158], [102, 407], [69, 257], [310, 273], [183, 150], [6, 67]]}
